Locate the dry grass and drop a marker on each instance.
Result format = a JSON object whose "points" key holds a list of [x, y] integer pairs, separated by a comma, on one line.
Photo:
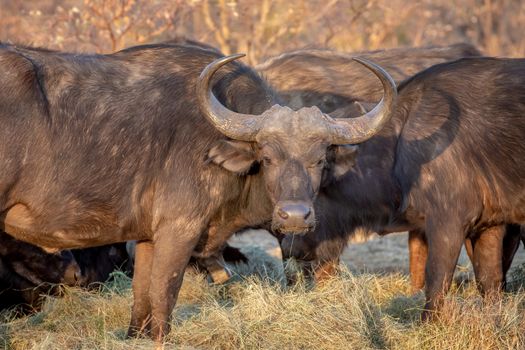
{"points": [[256, 311]]}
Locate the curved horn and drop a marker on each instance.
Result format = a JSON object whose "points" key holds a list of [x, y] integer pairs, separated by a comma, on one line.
{"points": [[237, 126], [357, 130]]}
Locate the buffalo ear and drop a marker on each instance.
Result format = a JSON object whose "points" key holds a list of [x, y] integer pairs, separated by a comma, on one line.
{"points": [[340, 160], [235, 156], [345, 158]]}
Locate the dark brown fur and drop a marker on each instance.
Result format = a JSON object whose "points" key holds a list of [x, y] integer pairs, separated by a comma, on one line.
{"points": [[331, 80], [449, 163]]}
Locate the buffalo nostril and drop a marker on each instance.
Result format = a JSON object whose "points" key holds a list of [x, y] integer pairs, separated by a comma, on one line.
{"points": [[284, 215], [294, 212], [308, 213]]}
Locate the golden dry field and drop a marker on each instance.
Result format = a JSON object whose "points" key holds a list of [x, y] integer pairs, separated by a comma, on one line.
{"points": [[255, 310]]}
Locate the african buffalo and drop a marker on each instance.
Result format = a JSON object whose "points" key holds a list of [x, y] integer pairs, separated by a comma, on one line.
{"points": [[447, 166], [26, 272], [459, 161], [153, 144], [98, 263], [332, 81]]}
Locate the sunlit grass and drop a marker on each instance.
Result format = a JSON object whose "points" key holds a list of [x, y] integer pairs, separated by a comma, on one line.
{"points": [[257, 311]]}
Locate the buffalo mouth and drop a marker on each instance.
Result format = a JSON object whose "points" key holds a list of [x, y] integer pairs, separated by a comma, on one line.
{"points": [[292, 230]]}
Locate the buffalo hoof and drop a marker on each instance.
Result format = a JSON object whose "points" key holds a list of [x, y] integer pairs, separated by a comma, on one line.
{"points": [[428, 315], [135, 332], [220, 276]]}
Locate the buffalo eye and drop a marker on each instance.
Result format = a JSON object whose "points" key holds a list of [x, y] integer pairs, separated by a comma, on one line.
{"points": [[319, 163], [266, 161]]}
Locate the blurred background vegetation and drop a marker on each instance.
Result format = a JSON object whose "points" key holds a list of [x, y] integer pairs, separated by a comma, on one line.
{"points": [[263, 28]]}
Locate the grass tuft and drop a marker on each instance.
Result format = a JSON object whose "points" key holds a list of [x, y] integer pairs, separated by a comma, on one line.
{"points": [[256, 310]]}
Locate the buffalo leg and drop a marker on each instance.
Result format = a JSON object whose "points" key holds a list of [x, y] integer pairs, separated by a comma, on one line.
{"points": [[215, 238], [325, 270], [511, 243], [318, 260], [173, 247], [141, 313], [209, 251], [318, 271], [444, 245], [327, 254], [418, 253], [298, 248], [469, 248], [216, 267], [487, 259]]}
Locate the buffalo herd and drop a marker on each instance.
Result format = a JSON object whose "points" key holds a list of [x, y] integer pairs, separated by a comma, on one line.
{"points": [[174, 147]]}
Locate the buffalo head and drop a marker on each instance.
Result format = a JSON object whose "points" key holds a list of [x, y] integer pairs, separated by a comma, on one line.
{"points": [[40, 267], [296, 150]]}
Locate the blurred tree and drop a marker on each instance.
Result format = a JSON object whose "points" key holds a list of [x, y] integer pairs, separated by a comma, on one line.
{"points": [[110, 25], [263, 28]]}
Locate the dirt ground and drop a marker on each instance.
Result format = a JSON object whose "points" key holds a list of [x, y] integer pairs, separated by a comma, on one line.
{"points": [[377, 255]]}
